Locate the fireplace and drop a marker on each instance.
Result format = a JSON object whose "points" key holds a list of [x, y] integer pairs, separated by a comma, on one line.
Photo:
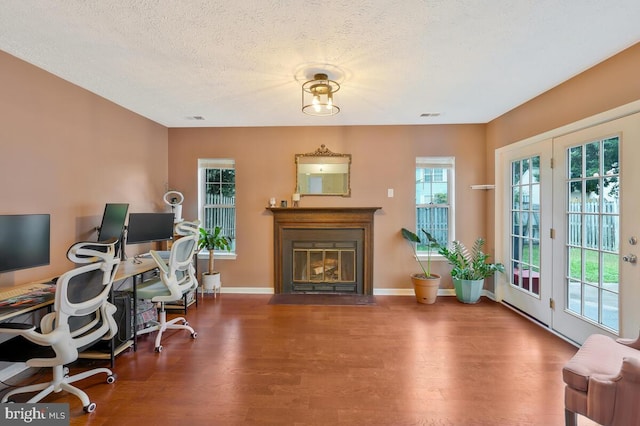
{"points": [[323, 250], [326, 260]]}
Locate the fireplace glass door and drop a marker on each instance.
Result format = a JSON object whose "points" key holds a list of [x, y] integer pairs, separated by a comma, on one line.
{"points": [[322, 265], [323, 261]]}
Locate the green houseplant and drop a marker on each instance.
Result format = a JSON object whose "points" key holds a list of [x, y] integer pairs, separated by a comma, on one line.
{"points": [[211, 241], [425, 284], [469, 269]]}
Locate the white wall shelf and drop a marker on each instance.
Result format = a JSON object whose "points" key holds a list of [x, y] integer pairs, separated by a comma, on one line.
{"points": [[483, 186]]}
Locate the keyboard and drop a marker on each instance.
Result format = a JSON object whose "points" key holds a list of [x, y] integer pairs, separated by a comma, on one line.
{"points": [[13, 293], [163, 254]]}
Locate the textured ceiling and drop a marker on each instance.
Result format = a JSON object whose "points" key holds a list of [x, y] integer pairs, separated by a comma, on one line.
{"points": [[242, 63]]}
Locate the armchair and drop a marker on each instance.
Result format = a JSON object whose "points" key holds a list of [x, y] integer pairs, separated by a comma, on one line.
{"points": [[176, 279], [82, 315], [603, 382]]}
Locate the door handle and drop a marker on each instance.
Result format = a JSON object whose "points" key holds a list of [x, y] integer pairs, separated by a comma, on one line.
{"points": [[631, 258]]}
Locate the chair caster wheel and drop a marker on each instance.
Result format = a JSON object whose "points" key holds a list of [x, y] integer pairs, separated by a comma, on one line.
{"points": [[194, 335], [111, 378], [90, 408], [159, 349]]}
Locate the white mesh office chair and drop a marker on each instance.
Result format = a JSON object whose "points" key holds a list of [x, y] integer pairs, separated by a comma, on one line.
{"points": [[81, 317], [176, 279]]}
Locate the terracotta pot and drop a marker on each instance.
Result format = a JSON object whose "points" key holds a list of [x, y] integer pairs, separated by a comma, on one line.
{"points": [[426, 289]]}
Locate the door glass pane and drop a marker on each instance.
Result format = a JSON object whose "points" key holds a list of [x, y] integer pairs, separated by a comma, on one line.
{"points": [[592, 218], [592, 157], [610, 309], [591, 229], [575, 196], [591, 303], [575, 162], [591, 267], [574, 229], [525, 225], [574, 296], [610, 272]]}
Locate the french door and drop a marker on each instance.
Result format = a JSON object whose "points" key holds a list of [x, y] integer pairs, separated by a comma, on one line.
{"points": [[527, 180], [569, 233], [596, 213]]}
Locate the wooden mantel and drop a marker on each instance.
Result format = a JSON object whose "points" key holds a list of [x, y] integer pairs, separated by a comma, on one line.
{"points": [[323, 218]]}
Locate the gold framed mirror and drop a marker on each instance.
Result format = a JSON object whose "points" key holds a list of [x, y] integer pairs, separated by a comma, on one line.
{"points": [[323, 172]]}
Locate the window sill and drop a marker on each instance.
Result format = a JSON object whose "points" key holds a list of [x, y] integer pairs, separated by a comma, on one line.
{"points": [[218, 255], [423, 257]]}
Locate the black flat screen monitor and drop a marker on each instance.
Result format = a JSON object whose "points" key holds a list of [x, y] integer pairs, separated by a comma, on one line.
{"points": [[113, 221], [24, 241], [149, 227]]}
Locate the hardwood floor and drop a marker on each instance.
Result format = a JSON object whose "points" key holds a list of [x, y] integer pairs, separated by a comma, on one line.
{"points": [[395, 363]]}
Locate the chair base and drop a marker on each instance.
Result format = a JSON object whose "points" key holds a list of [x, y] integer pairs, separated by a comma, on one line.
{"points": [[162, 325], [62, 382]]}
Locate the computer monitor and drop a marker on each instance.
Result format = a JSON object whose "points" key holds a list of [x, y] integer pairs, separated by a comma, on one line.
{"points": [[149, 227], [113, 219], [24, 241]]}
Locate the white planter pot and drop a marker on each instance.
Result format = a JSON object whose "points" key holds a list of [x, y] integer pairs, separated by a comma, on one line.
{"points": [[211, 282]]}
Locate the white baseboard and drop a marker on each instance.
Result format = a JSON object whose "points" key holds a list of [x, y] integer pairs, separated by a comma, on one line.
{"points": [[376, 291], [246, 290]]}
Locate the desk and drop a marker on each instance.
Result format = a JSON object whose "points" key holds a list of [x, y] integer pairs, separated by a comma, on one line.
{"points": [[33, 296], [42, 295], [44, 299], [130, 269], [127, 269]]}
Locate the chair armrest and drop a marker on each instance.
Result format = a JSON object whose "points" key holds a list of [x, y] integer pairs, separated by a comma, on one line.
{"points": [[159, 261], [16, 328], [31, 333], [632, 343], [631, 369]]}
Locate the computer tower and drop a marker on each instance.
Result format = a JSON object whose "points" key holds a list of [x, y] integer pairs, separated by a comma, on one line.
{"points": [[123, 316]]}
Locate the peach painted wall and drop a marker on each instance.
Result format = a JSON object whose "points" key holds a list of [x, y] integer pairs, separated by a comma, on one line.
{"points": [[610, 84], [383, 157], [67, 152]]}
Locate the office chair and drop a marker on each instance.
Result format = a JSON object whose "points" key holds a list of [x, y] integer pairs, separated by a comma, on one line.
{"points": [[176, 279], [82, 316]]}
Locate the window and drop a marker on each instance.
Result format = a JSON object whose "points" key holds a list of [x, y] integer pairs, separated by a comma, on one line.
{"points": [[434, 198], [217, 196]]}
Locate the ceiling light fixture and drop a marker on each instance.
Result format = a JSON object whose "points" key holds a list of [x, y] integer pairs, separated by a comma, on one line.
{"points": [[317, 96]]}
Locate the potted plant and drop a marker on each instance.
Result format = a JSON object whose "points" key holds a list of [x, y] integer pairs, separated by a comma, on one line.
{"points": [[470, 268], [211, 241], [425, 284]]}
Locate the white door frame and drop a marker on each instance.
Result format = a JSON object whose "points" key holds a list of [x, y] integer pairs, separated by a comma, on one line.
{"points": [[629, 318]]}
